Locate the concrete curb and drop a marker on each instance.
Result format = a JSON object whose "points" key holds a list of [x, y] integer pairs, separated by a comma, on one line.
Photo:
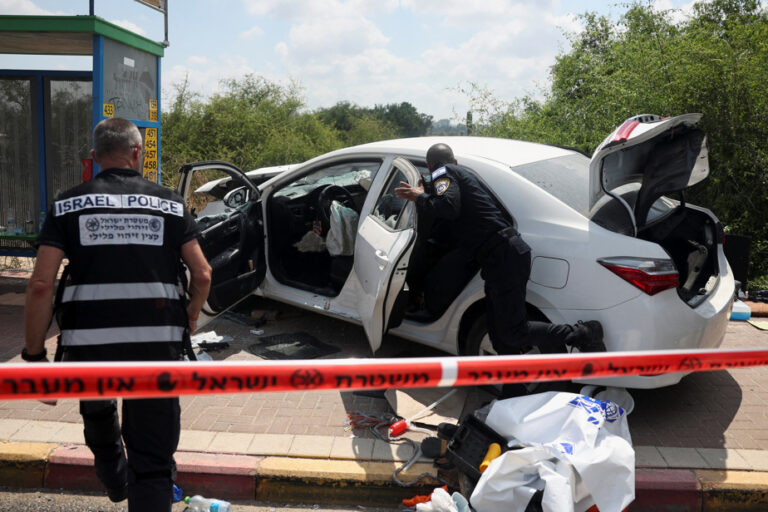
{"points": [[350, 482]]}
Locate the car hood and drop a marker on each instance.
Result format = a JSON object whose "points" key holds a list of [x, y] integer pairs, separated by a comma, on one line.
{"points": [[664, 155]]}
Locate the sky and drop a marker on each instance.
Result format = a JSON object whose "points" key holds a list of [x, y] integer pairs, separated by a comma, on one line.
{"points": [[367, 52]]}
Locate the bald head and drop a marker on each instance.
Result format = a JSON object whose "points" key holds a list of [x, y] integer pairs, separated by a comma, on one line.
{"points": [[439, 155]]}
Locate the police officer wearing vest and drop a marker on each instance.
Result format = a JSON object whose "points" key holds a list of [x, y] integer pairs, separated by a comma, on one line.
{"points": [[480, 232], [124, 238]]}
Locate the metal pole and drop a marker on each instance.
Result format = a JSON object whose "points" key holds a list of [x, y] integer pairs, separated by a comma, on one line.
{"points": [[166, 43]]}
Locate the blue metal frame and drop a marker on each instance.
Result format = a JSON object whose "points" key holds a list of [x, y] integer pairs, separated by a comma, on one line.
{"points": [[98, 99], [97, 107]]}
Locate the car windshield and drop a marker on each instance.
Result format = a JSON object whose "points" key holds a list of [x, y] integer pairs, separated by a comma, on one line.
{"points": [[565, 177]]}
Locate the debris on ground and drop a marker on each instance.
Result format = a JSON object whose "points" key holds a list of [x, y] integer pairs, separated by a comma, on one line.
{"points": [[265, 315], [441, 501], [241, 319], [209, 339], [294, 345], [428, 405]]}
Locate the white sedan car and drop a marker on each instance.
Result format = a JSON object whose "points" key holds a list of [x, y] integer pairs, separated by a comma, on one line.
{"points": [[612, 239]]}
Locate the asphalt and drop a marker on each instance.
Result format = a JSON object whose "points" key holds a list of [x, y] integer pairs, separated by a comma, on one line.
{"points": [[699, 446]]}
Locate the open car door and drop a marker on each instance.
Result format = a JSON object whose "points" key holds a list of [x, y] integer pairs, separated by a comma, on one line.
{"points": [[232, 233], [383, 246]]}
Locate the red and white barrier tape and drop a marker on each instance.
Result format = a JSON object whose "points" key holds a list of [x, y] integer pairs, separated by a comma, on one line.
{"points": [[164, 379]]}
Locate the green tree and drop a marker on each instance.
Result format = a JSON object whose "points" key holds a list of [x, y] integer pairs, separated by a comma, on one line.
{"points": [[356, 125], [361, 124], [405, 118], [253, 123]]}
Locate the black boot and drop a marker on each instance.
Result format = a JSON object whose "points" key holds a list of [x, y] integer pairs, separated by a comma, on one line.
{"points": [[587, 337]]}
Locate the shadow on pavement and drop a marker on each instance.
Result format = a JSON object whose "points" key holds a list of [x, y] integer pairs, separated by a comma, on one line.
{"points": [[695, 413]]}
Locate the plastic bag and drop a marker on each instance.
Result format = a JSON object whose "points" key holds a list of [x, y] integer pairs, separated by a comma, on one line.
{"points": [[578, 446], [341, 236], [440, 501]]}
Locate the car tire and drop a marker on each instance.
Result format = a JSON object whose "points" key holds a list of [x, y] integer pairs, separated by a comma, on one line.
{"points": [[479, 344]]}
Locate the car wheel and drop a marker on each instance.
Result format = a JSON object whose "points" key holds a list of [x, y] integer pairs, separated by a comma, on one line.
{"points": [[479, 344]]}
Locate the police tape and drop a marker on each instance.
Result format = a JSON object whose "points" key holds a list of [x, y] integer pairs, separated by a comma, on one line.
{"points": [[165, 379]]}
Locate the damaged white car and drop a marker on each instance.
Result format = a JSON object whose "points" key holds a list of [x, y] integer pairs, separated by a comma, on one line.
{"points": [[612, 239]]}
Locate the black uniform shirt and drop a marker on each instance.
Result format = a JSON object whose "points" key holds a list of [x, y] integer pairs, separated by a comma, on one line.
{"points": [[468, 212], [123, 237]]}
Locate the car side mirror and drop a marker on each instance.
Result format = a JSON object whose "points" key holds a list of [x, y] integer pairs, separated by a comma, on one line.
{"points": [[236, 197]]}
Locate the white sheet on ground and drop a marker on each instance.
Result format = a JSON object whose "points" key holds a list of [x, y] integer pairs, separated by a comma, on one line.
{"points": [[577, 448]]}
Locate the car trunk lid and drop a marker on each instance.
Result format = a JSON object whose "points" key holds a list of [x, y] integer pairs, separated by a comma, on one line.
{"points": [[663, 155]]}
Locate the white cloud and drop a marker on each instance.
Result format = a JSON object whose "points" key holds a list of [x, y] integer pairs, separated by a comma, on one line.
{"points": [[462, 13], [342, 54], [197, 60], [23, 7], [678, 15], [352, 50], [205, 75], [303, 10], [321, 40], [252, 33], [294, 10], [129, 25]]}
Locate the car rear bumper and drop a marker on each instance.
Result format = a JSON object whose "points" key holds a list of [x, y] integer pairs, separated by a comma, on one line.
{"points": [[662, 322]]}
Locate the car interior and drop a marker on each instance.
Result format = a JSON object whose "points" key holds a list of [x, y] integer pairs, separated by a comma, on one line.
{"points": [[311, 226], [300, 216]]}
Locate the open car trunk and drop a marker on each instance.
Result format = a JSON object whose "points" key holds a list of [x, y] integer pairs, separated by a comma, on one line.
{"points": [[632, 176]]}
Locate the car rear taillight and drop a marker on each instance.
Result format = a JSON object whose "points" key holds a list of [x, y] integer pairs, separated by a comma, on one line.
{"points": [[651, 275]]}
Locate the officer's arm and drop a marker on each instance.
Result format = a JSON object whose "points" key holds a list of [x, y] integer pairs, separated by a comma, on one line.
{"points": [[38, 306], [200, 279], [444, 202]]}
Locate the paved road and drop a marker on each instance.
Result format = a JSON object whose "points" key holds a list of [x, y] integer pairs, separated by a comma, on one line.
{"points": [[33, 500]]}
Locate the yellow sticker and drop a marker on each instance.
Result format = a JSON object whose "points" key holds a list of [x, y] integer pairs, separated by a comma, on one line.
{"points": [[153, 110], [150, 175], [109, 110], [442, 185]]}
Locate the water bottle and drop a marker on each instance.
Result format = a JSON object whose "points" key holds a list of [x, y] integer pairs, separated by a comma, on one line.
{"points": [[10, 221], [199, 504]]}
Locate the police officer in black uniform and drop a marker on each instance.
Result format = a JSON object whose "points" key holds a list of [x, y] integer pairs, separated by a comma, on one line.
{"points": [[479, 232], [125, 238]]}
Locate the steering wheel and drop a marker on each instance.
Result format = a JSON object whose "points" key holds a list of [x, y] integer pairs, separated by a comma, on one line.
{"points": [[326, 197]]}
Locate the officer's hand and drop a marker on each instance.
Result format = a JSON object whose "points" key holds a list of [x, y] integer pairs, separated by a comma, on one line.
{"points": [[406, 191]]}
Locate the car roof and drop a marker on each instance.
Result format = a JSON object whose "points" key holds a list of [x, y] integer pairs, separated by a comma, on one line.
{"points": [[508, 152]]}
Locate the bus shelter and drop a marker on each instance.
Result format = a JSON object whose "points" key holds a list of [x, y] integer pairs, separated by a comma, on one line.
{"points": [[47, 116]]}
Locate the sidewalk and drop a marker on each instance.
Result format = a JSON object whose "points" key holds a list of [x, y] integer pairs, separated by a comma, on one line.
{"points": [[699, 445]]}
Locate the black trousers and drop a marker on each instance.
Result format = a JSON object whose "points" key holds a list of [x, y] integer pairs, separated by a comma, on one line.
{"points": [[505, 271], [150, 430], [446, 278]]}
